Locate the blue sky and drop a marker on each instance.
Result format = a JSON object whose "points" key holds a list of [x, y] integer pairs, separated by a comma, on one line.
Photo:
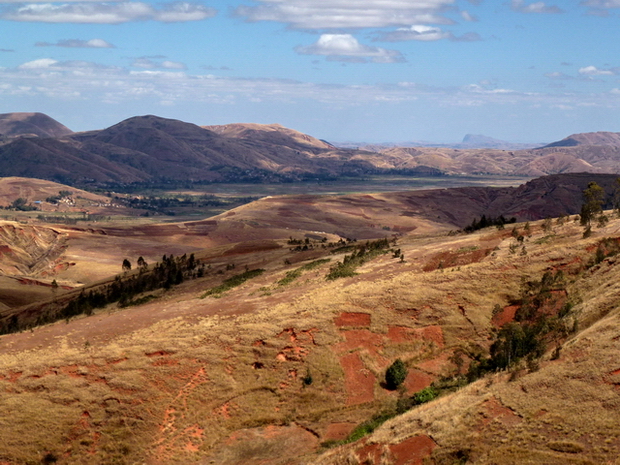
{"points": [[340, 70]]}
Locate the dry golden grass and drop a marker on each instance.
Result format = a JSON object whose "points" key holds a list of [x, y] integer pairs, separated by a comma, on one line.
{"points": [[189, 380]]}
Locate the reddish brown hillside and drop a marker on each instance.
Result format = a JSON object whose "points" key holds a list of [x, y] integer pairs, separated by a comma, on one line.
{"points": [[589, 138], [271, 133], [31, 124]]}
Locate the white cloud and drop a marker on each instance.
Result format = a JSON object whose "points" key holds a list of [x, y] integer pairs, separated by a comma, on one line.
{"points": [[559, 76], [173, 65], [424, 34], [107, 13], [601, 3], [150, 63], [537, 7], [337, 14], [38, 64], [345, 47], [416, 32], [594, 71], [77, 43], [468, 17]]}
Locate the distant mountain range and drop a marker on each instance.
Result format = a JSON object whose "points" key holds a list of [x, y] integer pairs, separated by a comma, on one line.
{"points": [[470, 141], [155, 149]]}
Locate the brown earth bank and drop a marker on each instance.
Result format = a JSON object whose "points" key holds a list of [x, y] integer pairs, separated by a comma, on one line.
{"points": [[275, 371]]}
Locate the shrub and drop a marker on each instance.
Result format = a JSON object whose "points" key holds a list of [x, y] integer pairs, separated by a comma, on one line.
{"points": [[425, 395], [395, 374]]}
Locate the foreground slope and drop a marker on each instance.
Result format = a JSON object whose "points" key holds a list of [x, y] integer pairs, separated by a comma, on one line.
{"points": [[270, 369]]}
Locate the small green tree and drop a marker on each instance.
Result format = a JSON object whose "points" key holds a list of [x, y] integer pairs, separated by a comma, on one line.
{"points": [[617, 197], [395, 374], [592, 206]]}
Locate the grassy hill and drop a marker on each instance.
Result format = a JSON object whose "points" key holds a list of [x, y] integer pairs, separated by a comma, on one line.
{"points": [[278, 352]]}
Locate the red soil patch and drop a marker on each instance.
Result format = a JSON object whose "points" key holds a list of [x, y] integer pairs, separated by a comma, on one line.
{"points": [[450, 259], [399, 334], [304, 336], [11, 376], [352, 319], [338, 431], [369, 454], [437, 365], [432, 333], [417, 380], [412, 451], [493, 409], [360, 338], [159, 353], [404, 334], [505, 316], [292, 354], [359, 382]]}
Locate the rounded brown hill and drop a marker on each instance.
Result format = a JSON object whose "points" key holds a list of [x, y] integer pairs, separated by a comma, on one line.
{"points": [[31, 124], [589, 138]]}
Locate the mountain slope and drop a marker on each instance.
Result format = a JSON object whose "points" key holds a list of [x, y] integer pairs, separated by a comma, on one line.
{"points": [[588, 138], [153, 149], [31, 124], [271, 369]]}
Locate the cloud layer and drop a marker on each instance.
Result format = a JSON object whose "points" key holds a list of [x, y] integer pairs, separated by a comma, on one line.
{"points": [[319, 14], [77, 43], [107, 13], [537, 7]]}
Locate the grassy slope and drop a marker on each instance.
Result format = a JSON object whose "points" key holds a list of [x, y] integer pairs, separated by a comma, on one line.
{"points": [[188, 380]]}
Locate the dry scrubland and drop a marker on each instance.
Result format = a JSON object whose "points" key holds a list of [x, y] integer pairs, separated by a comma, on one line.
{"points": [[271, 371]]}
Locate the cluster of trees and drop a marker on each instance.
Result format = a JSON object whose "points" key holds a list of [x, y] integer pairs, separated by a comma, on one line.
{"points": [[168, 204], [21, 204], [169, 272], [540, 319], [360, 255], [485, 222]]}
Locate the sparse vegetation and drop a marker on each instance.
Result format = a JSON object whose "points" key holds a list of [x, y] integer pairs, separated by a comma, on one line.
{"points": [[296, 273], [362, 253], [124, 290], [232, 282]]}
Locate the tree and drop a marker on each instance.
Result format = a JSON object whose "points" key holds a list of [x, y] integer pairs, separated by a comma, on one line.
{"points": [[592, 206], [395, 374], [141, 262], [617, 197], [126, 265]]}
